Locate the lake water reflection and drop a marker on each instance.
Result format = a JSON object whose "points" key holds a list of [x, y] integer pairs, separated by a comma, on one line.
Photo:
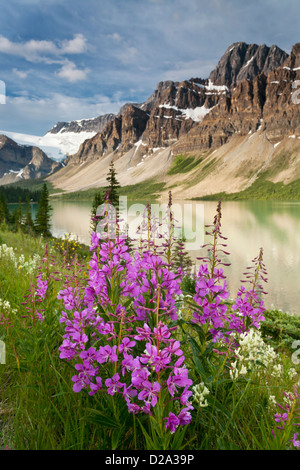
{"points": [[274, 226]]}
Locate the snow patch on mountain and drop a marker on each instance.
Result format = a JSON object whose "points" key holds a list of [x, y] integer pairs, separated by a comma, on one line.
{"points": [[56, 146], [196, 114]]}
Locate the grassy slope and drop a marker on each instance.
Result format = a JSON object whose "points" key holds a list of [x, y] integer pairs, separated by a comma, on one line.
{"points": [[188, 170], [261, 189], [148, 189]]}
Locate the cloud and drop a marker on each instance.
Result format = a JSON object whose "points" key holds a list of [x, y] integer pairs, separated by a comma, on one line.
{"points": [[37, 51], [77, 45], [2, 92], [71, 73], [115, 37], [46, 112], [20, 73], [129, 55]]}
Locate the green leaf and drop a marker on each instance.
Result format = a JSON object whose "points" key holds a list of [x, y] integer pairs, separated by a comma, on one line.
{"points": [[100, 418], [115, 438], [149, 442]]}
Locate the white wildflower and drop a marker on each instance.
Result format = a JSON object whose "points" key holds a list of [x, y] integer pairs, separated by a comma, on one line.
{"points": [[292, 373], [277, 371], [200, 391], [272, 401]]}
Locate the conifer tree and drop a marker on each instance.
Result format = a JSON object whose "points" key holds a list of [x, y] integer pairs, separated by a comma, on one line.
{"points": [[2, 214], [17, 216], [113, 188], [181, 258], [4, 208], [28, 217], [43, 216], [98, 200]]}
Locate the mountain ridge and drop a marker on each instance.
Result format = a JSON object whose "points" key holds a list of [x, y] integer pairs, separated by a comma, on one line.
{"points": [[176, 111], [18, 162], [237, 124]]}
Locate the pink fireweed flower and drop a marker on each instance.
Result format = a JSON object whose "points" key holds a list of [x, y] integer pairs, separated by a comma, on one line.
{"points": [[186, 394], [172, 422], [129, 393], [133, 408], [144, 334], [95, 387], [42, 287], [294, 440], [151, 354], [179, 379], [162, 333], [107, 354], [184, 417], [126, 345], [281, 417], [68, 297], [95, 238], [130, 364], [174, 348], [124, 288], [150, 392], [80, 339], [84, 377], [68, 350], [113, 385], [89, 355], [139, 376]]}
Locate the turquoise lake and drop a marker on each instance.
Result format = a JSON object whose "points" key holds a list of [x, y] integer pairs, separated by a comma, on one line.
{"points": [[274, 226]]}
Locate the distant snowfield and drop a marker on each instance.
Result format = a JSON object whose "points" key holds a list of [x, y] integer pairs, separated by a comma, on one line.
{"points": [[56, 146]]}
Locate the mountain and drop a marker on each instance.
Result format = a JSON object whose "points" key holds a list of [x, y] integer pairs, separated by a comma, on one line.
{"points": [[244, 61], [18, 162], [244, 110], [169, 113], [83, 125]]}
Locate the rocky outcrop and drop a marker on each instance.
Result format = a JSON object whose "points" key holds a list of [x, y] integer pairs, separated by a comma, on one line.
{"points": [[120, 133], [170, 112], [19, 162], [244, 61], [265, 102], [282, 107], [96, 124]]}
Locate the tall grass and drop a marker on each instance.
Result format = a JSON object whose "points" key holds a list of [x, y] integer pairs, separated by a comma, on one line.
{"points": [[39, 410]]}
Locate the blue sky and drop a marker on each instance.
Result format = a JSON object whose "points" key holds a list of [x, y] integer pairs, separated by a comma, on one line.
{"points": [[69, 59]]}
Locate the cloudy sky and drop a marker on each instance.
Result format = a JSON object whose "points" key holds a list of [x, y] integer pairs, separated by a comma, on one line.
{"points": [[63, 60]]}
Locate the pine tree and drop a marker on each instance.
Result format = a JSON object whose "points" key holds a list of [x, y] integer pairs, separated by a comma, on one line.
{"points": [[181, 258], [5, 210], [43, 216], [98, 200], [2, 213], [5, 207], [113, 188], [29, 224], [17, 217]]}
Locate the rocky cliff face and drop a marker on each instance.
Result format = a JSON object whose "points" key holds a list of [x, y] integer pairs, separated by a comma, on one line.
{"points": [[119, 134], [264, 102], [250, 89], [23, 162], [170, 112], [282, 105], [244, 61]]}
